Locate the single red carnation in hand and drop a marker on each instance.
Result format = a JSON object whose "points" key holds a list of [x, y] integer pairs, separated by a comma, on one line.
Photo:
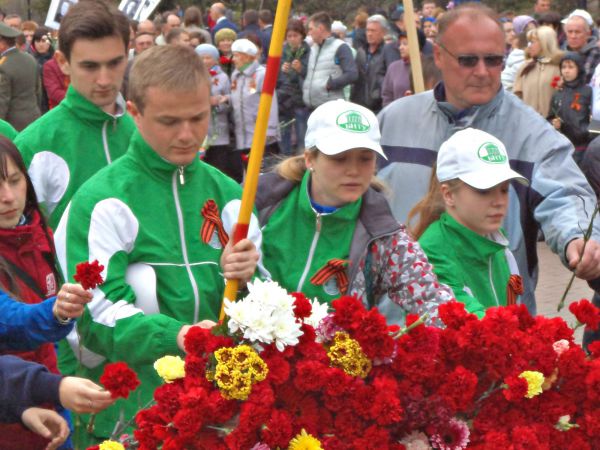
{"points": [[586, 313], [88, 274], [119, 379], [302, 306]]}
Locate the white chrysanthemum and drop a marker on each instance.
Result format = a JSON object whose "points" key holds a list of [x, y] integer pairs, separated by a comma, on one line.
{"points": [[265, 315], [318, 313]]}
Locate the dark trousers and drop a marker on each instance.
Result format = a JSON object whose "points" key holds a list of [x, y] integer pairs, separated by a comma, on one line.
{"points": [[226, 160]]}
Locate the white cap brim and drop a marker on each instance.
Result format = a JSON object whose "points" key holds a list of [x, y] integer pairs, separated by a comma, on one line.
{"points": [[489, 179], [331, 146]]}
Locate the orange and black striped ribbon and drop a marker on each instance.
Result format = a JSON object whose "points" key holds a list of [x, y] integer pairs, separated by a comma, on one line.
{"points": [[333, 268], [514, 289], [212, 222]]}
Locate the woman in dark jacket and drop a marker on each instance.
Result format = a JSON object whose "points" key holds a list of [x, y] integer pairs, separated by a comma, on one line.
{"points": [[28, 272], [41, 49], [293, 113]]}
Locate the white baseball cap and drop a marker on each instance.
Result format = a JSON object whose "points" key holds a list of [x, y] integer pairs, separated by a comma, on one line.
{"points": [[244, 46], [338, 126], [580, 13], [476, 158]]}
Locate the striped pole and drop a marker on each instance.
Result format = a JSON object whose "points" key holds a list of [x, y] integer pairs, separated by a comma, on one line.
{"points": [[260, 135]]}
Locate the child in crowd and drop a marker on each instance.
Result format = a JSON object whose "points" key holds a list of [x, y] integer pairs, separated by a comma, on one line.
{"points": [[571, 106], [460, 221], [217, 144]]}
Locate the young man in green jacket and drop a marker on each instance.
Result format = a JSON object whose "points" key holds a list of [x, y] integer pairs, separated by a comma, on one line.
{"points": [[159, 221], [90, 128]]}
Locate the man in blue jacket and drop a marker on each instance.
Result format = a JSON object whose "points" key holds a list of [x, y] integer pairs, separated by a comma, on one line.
{"points": [[470, 53]]}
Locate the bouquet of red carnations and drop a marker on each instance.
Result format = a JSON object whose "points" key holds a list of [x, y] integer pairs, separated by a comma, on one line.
{"points": [[281, 372]]}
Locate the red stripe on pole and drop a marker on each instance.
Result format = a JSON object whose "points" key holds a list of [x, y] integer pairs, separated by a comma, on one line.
{"points": [[241, 232], [271, 76]]}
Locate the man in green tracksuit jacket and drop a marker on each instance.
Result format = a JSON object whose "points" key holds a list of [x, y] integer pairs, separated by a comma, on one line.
{"points": [[159, 221], [90, 128]]}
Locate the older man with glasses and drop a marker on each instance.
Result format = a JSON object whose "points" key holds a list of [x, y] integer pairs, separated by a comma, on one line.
{"points": [[470, 53]]}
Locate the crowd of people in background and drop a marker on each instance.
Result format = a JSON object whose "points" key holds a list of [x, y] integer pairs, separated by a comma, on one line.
{"points": [[127, 141]]}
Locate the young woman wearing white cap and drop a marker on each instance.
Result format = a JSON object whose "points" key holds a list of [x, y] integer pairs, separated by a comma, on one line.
{"points": [[460, 221], [327, 228]]}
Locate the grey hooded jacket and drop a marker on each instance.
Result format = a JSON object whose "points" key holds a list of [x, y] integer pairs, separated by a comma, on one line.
{"points": [[558, 199]]}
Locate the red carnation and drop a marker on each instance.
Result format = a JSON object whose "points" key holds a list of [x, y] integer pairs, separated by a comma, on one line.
{"points": [[119, 379], [89, 274], [586, 313], [302, 306], [516, 388], [594, 349], [278, 432], [349, 312]]}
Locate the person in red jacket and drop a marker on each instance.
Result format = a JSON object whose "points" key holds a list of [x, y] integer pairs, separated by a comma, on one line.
{"points": [[28, 271], [55, 82]]}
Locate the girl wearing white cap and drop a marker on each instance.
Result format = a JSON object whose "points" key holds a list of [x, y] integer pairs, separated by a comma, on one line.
{"points": [[460, 219], [328, 230], [246, 86]]}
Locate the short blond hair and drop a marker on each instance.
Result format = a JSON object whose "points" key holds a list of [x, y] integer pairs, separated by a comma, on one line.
{"points": [[170, 67]]}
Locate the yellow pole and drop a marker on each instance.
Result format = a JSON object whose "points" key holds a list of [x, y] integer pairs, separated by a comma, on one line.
{"points": [[260, 134], [413, 47]]}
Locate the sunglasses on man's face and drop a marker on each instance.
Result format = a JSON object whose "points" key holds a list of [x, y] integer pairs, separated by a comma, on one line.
{"points": [[470, 61]]}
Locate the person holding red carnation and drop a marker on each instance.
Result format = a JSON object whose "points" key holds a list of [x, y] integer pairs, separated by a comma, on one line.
{"points": [[328, 230], [460, 221], [34, 315], [28, 390]]}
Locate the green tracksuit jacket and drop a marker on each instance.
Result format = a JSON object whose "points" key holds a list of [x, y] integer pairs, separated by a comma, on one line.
{"points": [[142, 218], [69, 144], [7, 130], [475, 267], [300, 242]]}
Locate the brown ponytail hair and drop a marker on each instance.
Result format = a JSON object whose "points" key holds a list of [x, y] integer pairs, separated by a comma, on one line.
{"points": [[430, 208]]}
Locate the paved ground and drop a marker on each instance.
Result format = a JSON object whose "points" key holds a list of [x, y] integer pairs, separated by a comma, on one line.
{"points": [[553, 280]]}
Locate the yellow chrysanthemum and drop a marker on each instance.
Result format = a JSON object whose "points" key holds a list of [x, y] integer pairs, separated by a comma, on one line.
{"points": [[237, 369], [535, 380], [305, 441], [224, 355], [170, 368], [347, 354], [224, 377], [111, 445]]}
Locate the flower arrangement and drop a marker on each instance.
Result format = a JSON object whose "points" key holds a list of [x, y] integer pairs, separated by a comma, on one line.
{"points": [[281, 372]]}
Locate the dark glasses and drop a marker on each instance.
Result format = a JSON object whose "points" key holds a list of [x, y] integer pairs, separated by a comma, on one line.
{"points": [[471, 61]]}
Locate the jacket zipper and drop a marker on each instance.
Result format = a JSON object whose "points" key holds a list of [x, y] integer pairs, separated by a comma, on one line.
{"points": [[311, 253], [105, 143], [181, 178], [183, 244], [492, 280]]}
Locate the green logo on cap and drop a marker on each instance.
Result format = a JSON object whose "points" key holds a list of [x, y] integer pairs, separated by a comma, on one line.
{"points": [[490, 153], [353, 121]]}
